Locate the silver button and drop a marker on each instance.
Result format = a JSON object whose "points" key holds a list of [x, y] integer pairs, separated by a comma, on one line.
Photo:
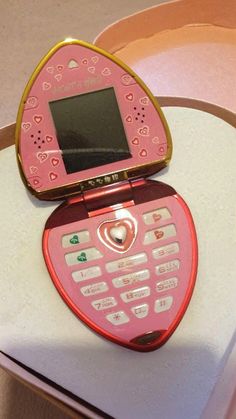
{"points": [[163, 304], [160, 233], [84, 274], [104, 303], [140, 311], [167, 284], [153, 217], [132, 278], [118, 318], [167, 250], [94, 289], [126, 263], [172, 265], [135, 294], [73, 239], [84, 255]]}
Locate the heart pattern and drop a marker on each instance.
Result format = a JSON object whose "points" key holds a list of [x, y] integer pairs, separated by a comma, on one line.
{"points": [[49, 138], [144, 131], [130, 97], [127, 80], [143, 153], [46, 85], [129, 118], [144, 100], [42, 157], [38, 118], [72, 64], [94, 59], [106, 71], [118, 234], [74, 239], [91, 69], [33, 169], [26, 126], [158, 234], [31, 102], [58, 77], [53, 176], [135, 141], [50, 70], [161, 150], [85, 61], [55, 161], [156, 140], [82, 257], [60, 67]]}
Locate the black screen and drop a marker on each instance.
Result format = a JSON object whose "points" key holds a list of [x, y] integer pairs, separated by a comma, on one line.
{"points": [[89, 130]]}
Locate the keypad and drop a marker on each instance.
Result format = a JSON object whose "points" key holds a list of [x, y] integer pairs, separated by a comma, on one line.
{"points": [[129, 279]]}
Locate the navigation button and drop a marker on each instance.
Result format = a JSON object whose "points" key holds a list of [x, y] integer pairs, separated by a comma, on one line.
{"points": [[118, 318], [94, 289], [75, 238], [140, 311], [104, 303], [172, 265], [169, 249], [159, 233], [135, 294], [130, 279], [163, 304], [126, 263], [153, 217], [82, 256], [84, 274]]}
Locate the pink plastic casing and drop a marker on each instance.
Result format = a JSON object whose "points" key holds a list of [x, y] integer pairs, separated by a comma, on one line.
{"points": [[153, 330], [73, 70]]}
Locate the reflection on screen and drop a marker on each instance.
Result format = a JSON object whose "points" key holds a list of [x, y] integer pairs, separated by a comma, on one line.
{"points": [[89, 130]]}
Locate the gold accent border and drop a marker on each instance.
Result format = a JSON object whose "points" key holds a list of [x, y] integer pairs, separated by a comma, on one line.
{"points": [[64, 189]]}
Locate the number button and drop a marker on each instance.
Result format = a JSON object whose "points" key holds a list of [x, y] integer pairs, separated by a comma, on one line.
{"points": [[94, 289], [104, 303], [126, 263], [140, 311], [167, 284], [85, 274], [163, 304], [118, 318], [135, 294], [170, 266], [132, 278], [167, 250]]}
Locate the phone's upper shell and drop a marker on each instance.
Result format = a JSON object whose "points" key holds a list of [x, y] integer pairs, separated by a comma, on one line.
{"points": [[72, 68]]}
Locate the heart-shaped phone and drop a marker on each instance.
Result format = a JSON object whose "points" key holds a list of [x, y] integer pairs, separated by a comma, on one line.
{"points": [[121, 249]]}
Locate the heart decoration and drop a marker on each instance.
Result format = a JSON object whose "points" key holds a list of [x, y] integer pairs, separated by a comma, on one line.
{"points": [[74, 239], [129, 118], [144, 131], [31, 102], [55, 161], [130, 97], [50, 70], [106, 71], [94, 59], [127, 80], [49, 138], [91, 69], [60, 67], [156, 140], [135, 141], [143, 153], [144, 100], [118, 235], [85, 61], [58, 77], [161, 150], [72, 64], [82, 257], [38, 118], [158, 234], [46, 85], [53, 176], [26, 126], [33, 169], [42, 157]]}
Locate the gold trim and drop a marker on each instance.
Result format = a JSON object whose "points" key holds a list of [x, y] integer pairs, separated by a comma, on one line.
{"points": [[50, 194]]}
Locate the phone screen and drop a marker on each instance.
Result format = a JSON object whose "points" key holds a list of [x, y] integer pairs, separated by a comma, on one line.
{"points": [[89, 130]]}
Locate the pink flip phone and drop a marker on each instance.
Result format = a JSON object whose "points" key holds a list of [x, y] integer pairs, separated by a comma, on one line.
{"points": [[121, 249]]}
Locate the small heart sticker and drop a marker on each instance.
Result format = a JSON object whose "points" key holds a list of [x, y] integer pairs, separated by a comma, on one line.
{"points": [[106, 71], [91, 69], [143, 153], [127, 80], [161, 150], [60, 67], [130, 97], [55, 161], [85, 61], [50, 70], [33, 169], [38, 118], [135, 141], [31, 102], [94, 59], [129, 118], [144, 131], [26, 126], [42, 157], [53, 176], [144, 100], [49, 138], [46, 85], [58, 77]]}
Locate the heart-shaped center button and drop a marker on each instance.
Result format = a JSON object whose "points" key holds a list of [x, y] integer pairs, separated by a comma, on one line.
{"points": [[118, 234]]}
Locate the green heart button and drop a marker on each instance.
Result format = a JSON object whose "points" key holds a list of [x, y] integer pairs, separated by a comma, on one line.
{"points": [[82, 257], [74, 239]]}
